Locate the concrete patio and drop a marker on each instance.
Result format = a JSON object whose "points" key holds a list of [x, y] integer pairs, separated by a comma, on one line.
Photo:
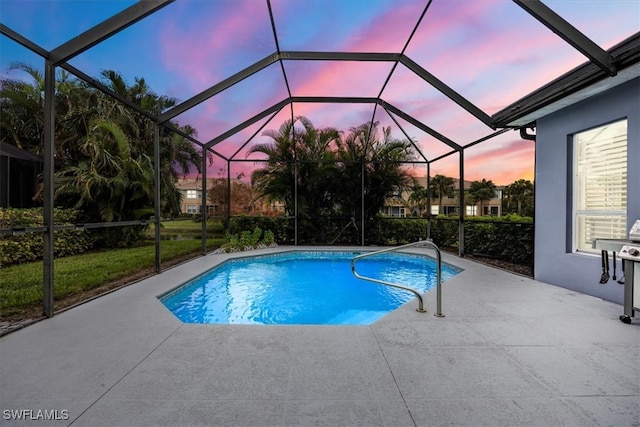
{"points": [[510, 352]]}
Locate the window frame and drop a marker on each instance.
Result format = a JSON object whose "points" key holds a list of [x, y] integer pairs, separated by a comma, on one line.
{"points": [[576, 192]]}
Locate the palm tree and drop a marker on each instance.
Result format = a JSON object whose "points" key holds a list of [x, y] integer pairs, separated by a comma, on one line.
{"points": [[371, 150], [276, 179], [22, 106], [482, 191], [418, 198], [301, 157], [441, 186], [520, 192], [328, 169], [317, 170], [103, 149], [177, 152]]}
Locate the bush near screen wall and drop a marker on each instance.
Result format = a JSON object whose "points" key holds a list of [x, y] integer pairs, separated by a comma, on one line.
{"points": [[508, 238], [27, 247], [281, 227]]}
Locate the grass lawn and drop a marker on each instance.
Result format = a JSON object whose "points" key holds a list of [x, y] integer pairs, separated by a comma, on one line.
{"points": [[186, 228], [82, 276]]}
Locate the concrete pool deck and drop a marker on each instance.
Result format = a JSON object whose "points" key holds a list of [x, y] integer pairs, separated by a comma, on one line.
{"points": [[510, 352]]}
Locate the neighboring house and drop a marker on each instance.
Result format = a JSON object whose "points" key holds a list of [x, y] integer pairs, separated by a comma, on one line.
{"points": [[19, 171], [397, 208], [450, 205], [244, 202], [587, 171], [399, 205], [191, 189]]}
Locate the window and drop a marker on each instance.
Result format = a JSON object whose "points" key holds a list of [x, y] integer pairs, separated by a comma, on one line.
{"points": [[491, 210], [192, 194], [471, 210], [600, 185], [394, 211], [435, 210], [191, 209], [450, 210]]}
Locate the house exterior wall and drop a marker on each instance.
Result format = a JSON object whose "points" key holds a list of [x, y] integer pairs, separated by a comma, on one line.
{"points": [[554, 262], [185, 186], [400, 205], [450, 205]]}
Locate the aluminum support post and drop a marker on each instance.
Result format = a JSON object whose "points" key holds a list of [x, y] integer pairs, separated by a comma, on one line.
{"points": [[156, 181], [461, 207], [48, 193], [205, 213]]}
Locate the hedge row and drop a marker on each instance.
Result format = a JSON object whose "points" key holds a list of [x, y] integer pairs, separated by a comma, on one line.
{"points": [[27, 247], [508, 238]]}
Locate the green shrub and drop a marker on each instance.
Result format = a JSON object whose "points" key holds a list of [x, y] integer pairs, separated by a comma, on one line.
{"points": [[248, 240], [508, 238], [444, 231], [281, 227], [27, 247], [269, 238]]}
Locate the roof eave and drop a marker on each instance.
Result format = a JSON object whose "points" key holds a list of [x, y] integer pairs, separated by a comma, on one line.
{"points": [[580, 83]]}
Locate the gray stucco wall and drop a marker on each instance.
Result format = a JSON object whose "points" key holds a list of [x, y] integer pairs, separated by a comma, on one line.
{"points": [[554, 263]]}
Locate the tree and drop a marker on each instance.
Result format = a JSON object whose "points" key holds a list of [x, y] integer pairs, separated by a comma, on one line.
{"points": [[370, 150], [104, 150], [276, 179], [519, 192], [108, 183], [316, 168], [243, 200], [418, 198], [22, 107], [441, 186], [482, 191], [326, 170], [299, 161], [109, 171]]}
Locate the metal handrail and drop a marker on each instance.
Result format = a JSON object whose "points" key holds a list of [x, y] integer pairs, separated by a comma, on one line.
{"points": [[420, 308]]}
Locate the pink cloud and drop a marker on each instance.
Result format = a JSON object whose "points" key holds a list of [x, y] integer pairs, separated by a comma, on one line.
{"points": [[387, 32], [337, 78], [490, 60], [340, 116], [196, 45], [502, 162]]}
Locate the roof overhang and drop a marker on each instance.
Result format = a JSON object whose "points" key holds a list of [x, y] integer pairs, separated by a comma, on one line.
{"points": [[578, 84]]}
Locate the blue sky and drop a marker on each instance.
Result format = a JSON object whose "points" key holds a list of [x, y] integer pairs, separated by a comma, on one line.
{"points": [[489, 51]]}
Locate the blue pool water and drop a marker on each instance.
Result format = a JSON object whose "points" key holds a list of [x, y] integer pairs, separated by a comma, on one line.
{"points": [[305, 287]]}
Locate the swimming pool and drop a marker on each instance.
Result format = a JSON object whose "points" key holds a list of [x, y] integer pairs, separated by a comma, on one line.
{"points": [[302, 287]]}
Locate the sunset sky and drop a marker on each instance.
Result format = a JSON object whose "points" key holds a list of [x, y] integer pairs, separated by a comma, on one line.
{"points": [[489, 51]]}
